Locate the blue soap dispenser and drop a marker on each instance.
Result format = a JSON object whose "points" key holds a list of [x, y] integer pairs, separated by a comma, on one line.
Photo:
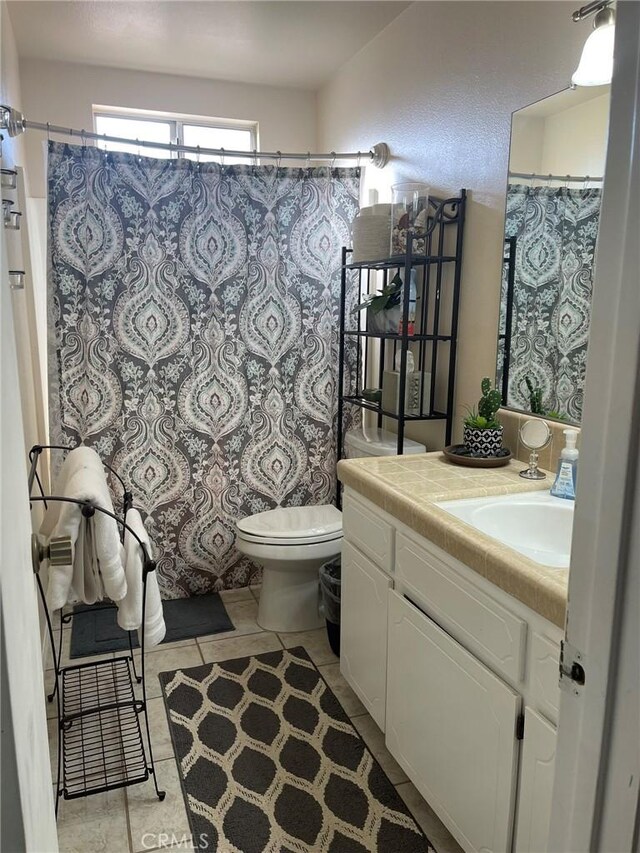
{"points": [[567, 474]]}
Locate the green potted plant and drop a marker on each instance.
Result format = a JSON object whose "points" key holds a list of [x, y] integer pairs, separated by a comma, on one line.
{"points": [[482, 430], [384, 308]]}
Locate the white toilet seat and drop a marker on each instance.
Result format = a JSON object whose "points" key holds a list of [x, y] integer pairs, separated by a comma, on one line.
{"points": [[291, 541], [300, 525], [293, 557]]}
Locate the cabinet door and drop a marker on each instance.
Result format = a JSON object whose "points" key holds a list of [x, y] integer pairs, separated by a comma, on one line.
{"points": [[363, 633], [368, 531], [451, 725], [536, 783]]}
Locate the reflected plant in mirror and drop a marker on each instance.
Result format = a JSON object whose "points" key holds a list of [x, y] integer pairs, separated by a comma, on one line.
{"points": [[556, 168], [537, 405]]}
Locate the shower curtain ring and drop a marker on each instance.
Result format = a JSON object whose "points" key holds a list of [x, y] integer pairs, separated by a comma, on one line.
{"points": [[255, 158], [198, 155], [83, 137], [222, 157], [278, 160], [333, 159], [586, 181], [48, 132]]}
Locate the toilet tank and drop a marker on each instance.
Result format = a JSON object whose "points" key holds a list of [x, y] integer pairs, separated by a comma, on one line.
{"points": [[373, 441]]}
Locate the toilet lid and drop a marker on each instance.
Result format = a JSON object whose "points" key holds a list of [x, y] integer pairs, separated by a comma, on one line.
{"points": [[293, 525]]}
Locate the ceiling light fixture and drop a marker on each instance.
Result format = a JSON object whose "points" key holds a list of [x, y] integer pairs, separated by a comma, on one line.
{"points": [[596, 62]]}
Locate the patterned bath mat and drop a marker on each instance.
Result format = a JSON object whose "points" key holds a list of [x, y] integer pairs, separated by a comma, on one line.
{"points": [[270, 763]]}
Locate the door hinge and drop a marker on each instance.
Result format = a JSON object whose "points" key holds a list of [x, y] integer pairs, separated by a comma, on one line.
{"points": [[572, 674], [520, 727]]}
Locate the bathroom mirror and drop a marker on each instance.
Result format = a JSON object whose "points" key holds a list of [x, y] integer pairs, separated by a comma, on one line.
{"points": [[556, 168]]}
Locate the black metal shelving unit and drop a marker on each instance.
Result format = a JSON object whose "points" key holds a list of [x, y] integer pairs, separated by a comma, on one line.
{"points": [[436, 322], [504, 338], [100, 715]]}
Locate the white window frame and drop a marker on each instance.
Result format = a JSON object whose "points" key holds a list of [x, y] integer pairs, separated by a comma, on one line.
{"points": [[176, 121]]}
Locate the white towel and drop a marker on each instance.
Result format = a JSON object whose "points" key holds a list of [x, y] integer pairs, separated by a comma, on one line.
{"points": [[79, 457], [98, 566], [130, 607]]}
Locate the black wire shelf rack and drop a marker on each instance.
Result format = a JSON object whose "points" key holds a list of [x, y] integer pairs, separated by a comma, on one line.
{"points": [[368, 355], [102, 744], [377, 408], [102, 711]]}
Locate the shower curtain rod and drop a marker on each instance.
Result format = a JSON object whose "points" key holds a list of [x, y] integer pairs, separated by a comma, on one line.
{"points": [[14, 122], [572, 179]]}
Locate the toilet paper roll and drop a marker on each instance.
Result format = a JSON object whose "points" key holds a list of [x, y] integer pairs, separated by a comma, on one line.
{"points": [[371, 236]]}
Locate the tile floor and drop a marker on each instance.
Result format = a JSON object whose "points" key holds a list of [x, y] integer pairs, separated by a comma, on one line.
{"points": [[132, 820]]}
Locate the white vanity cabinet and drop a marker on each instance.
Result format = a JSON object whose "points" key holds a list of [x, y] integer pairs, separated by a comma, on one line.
{"points": [[451, 725], [363, 634], [450, 667], [536, 783]]}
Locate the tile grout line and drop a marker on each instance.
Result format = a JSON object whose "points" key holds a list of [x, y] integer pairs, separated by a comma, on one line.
{"points": [[128, 819], [200, 650]]}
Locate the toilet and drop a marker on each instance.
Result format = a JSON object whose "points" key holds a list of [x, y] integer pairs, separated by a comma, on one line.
{"points": [[291, 543], [373, 441]]}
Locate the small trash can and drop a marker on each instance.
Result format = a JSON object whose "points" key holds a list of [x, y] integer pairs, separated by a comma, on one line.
{"points": [[330, 580]]}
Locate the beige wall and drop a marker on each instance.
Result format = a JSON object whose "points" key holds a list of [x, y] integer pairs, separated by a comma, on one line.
{"points": [[571, 141], [527, 141], [64, 93], [28, 817], [575, 140], [439, 85], [12, 149], [30, 344]]}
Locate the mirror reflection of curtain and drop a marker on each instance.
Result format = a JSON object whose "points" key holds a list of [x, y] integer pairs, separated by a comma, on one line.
{"points": [[556, 229], [193, 325]]}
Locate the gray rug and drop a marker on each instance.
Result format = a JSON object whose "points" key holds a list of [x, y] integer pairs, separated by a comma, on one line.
{"points": [[95, 630], [270, 763]]}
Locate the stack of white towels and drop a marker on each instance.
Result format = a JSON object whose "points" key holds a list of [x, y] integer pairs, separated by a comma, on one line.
{"points": [[101, 565]]}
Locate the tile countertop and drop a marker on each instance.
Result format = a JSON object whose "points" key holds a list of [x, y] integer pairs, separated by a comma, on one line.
{"points": [[408, 487]]}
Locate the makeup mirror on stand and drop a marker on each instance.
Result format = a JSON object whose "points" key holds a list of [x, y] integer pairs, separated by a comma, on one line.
{"points": [[535, 435]]}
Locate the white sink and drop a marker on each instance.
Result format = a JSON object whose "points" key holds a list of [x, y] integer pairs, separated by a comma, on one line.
{"points": [[534, 524]]}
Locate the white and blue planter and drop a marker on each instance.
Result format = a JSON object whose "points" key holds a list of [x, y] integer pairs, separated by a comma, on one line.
{"points": [[483, 442]]}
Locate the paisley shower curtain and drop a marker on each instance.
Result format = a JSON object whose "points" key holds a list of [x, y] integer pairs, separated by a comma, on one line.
{"points": [[193, 317], [556, 230]]}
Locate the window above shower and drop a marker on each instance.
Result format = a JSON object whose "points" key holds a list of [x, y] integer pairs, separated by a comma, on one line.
{"points": [[148, 126]]}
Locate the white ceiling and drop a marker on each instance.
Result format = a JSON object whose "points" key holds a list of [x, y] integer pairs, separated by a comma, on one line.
{"points": [[285, 43], [564, 100]]}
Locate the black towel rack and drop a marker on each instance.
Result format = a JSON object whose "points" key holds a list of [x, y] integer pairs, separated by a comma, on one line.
{"points": [[100, 739]]}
